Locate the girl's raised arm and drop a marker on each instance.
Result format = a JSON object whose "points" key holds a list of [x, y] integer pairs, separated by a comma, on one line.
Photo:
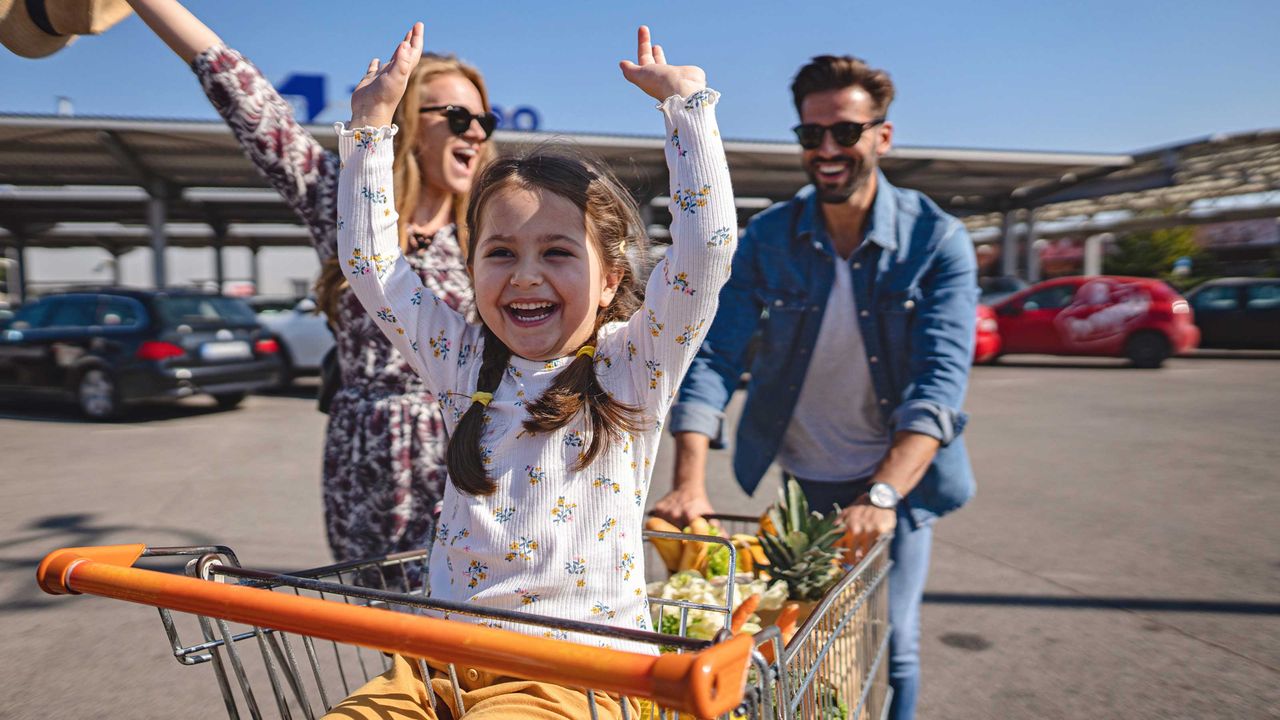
{"points": [[436, 340], [661, 340]]}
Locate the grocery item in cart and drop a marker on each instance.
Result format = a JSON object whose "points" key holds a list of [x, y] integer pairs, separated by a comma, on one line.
{"points": [[801, 544]]}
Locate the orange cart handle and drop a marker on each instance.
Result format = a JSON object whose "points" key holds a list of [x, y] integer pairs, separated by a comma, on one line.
{"points": [[706, 683]]}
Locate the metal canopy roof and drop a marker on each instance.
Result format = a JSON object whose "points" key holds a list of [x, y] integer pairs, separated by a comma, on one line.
{"points": [[1223, 177], [85, 181], [73, 177]]}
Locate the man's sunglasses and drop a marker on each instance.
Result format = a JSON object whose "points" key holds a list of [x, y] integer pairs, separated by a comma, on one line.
{"points": [[460, 119], [845, 133]]}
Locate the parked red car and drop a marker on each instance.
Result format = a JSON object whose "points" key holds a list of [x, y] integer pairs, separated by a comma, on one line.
{"points": [[1142, 319], [987, 346]]}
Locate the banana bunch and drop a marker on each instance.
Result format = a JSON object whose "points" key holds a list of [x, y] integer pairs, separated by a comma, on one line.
{"points": [[707, 558]]}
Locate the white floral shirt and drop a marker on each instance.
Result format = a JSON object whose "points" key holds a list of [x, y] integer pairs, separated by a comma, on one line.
{"points": [[551, 540]]}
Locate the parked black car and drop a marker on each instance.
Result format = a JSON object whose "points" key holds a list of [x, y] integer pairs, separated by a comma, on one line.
{"points": [[1238, 312], [106, 348]]}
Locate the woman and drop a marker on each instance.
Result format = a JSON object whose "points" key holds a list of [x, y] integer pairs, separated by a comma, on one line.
{"points": [[384, 466]]}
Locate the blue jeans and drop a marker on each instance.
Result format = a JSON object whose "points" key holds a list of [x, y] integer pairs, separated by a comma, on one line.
{"points": [[910, 554]]}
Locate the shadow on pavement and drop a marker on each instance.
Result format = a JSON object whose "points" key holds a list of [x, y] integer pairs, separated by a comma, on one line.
{"points": [[1216, 354], [20, 555], [1053, 362], [47, 410], [67, 412], [1224, 607], [303, 389]]}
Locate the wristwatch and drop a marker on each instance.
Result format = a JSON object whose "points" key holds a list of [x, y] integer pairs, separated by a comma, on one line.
{"points": [[882, 495]]}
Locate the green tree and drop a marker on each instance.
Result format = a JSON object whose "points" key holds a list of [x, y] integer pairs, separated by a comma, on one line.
{"points": [[1151, 253]]}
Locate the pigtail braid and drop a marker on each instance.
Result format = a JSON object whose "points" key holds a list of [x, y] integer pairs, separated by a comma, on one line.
{"points": [[466, 467]]}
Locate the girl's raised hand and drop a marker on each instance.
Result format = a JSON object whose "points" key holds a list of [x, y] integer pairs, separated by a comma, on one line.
{"points": [[652, 74], [374, 101]]}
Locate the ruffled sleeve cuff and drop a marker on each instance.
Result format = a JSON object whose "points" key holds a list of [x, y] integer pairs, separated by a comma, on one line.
{"points": [[368, 139]]}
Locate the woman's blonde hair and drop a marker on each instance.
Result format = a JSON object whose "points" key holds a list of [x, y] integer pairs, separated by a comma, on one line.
{"points": [[614, 224], [406, 171]]}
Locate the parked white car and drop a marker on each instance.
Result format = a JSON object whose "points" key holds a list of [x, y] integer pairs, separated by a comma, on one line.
{"points": [[301, 329]]}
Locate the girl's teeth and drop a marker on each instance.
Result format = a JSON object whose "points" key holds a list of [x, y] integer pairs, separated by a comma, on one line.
{"points": [[531, 312]]}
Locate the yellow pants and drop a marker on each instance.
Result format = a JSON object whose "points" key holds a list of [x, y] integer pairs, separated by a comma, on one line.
{"points": [[401, 694]]}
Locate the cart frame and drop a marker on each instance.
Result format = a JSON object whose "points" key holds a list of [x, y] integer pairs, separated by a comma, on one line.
{"points": [[836, 656]]}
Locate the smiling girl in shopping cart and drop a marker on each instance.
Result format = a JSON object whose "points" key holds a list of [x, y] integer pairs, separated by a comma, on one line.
{"points": [[554, 402]]}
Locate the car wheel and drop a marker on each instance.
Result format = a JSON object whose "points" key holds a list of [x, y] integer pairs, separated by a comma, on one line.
{"points": [[1147, 349], [287, 373], [97, 394], [227, 401]]}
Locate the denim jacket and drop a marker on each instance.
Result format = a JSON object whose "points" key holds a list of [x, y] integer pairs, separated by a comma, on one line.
{"points": [[915, 287]]}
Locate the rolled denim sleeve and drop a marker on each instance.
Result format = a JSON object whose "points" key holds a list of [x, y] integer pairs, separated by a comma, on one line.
{"points": [[720, 361], [942, 337]]}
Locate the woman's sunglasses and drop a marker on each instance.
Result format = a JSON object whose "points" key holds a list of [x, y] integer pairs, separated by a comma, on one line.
{"points": [[845, 134], [460, 119]]}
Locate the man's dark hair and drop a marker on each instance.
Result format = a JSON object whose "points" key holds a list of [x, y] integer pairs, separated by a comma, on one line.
{"points": [[834, 72]]}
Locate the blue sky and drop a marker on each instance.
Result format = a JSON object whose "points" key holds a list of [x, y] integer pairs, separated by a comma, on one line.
{"points": [[1084, 76]]}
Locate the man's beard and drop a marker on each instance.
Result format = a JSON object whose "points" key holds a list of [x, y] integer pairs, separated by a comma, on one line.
{"points": [[859, 174]]}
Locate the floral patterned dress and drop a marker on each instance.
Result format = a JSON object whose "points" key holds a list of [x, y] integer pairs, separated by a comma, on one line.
{"points": [[384, 468]]}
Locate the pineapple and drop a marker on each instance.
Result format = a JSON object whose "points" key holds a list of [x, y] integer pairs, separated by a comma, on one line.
{"points": [[801, 544]]}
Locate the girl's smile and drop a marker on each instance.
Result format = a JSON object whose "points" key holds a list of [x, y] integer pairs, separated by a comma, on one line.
{"points": [[539, 278]]}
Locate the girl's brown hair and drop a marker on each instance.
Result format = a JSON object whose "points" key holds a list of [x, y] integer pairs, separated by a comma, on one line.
{"points": [[406, 171], [613, 223]]}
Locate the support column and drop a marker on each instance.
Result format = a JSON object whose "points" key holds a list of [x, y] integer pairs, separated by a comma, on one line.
{"points": [[646, 213], [219, 242], [1009, 243], [1094, 245], [158, 191], [157, 216], [19, 278], [116, 273], [1033, 251], [253, 269]]}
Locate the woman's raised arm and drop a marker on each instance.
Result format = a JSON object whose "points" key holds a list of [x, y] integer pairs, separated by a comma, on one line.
{"points": [[183, 32], [297, 166]]}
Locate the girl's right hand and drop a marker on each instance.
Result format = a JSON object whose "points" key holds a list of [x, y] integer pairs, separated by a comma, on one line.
{"points": [[652, 74], [373, 104]]}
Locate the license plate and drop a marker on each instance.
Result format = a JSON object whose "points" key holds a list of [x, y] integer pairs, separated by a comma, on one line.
{"points": [[233, 350]]}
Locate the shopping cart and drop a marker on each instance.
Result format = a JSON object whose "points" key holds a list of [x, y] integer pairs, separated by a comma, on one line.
{"points": [[313, 637]]}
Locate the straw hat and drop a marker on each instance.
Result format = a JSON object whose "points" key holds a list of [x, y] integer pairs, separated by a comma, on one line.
{"points": [[36, 28]]}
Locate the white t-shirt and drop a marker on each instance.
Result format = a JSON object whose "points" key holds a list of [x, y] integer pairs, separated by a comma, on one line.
{"points": [[836, 432]]}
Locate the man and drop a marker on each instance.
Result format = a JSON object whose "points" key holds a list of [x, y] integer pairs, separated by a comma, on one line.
{"points": [[869, 292]]}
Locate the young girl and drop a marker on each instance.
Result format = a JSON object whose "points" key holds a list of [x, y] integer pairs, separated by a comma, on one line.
{"points": [[554, 401]]}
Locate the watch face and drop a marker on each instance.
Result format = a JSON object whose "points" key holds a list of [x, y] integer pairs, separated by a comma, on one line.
{"points": [[883, 496]]}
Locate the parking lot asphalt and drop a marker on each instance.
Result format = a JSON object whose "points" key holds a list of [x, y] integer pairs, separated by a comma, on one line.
{"points": [[1121, 559]]}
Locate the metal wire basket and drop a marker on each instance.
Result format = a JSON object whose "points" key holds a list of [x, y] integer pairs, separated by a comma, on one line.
{"points": [[275, 652]]}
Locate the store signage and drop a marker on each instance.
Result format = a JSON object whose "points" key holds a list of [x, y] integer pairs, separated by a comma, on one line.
{"points": [[306, 92]]}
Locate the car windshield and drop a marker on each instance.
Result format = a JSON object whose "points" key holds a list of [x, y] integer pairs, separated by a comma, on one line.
{"points": [[204, 310], [998, 288]]}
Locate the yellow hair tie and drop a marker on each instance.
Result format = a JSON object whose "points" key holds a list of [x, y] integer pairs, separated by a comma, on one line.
{"points": [[588, 350], [483, 398]]}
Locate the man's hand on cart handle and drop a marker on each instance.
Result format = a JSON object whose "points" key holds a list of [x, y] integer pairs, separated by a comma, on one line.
{"points": [[682, 505], [864, 524], [688, 497]]}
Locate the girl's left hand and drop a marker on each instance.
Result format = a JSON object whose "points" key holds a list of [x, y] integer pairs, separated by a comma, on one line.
{"points": [[652, 74], [373, 104]]}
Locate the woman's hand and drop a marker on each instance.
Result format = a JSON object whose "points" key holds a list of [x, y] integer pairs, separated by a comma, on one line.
{"points": [[652, 74], [374, 101]]}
